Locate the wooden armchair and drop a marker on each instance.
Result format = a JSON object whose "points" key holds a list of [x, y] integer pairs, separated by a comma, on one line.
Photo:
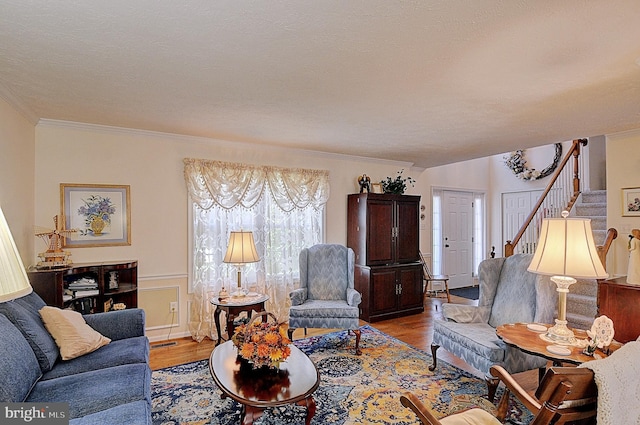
{"points": [[565, 395]]}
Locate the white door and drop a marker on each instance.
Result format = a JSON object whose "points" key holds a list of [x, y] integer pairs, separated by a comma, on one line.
{"points": [[457, 238], [516, 206]]}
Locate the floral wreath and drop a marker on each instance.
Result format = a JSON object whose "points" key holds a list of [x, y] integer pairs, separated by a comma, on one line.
{"points": [[516, 162]]}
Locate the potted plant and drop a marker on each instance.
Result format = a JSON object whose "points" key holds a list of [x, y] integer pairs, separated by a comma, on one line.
{"points": [[397, 185]]}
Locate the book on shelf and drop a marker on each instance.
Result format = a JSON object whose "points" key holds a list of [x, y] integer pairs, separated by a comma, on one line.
{"points": [[81, 293]]}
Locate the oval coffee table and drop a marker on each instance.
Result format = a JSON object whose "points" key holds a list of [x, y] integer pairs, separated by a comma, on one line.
{"points": [[256, 389]]}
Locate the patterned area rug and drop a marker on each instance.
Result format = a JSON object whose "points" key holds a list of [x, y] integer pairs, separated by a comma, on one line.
{"points": [[354, 389]]}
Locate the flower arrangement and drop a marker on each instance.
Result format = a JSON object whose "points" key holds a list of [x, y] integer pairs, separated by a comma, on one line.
{"points": [[96, 207], [262, 343], [397, 185]]}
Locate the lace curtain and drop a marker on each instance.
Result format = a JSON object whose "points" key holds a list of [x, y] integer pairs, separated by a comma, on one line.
{"points": [[283, 207]]}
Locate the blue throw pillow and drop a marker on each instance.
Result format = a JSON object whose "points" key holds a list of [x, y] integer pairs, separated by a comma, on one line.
{"points": [[31, 326]]}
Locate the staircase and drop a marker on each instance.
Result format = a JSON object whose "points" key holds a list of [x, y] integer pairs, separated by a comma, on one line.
{"points": [[582, 297]]}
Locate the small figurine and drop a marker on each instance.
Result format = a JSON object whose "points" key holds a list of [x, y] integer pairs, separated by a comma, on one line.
{"points": [[365, 183], [633, 273]]}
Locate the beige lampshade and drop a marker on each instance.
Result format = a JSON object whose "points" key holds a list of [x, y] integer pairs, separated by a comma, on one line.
{"points": [[14, 282], [241, 249], [566, 248]]}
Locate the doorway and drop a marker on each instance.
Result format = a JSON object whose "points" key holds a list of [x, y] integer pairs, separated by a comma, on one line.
{"points": [[458, 235]]}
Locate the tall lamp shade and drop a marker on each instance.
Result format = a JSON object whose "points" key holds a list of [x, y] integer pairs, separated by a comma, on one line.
{"points": [[14, 282], [241, 250], [566, 251]]}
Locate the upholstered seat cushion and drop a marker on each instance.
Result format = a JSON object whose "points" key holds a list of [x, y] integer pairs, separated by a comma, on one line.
{"points": [[134, 413], [98, 390], [320, 308], [478, 338], [471, 417], [120, 352]]}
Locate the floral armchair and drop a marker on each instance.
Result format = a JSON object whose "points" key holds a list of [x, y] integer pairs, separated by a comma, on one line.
{"points": [[326, 297], [508, 294]]}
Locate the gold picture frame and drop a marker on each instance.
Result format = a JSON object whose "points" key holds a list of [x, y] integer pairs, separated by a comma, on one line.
{"points": [[376, 188], [631, 202], [101, 214]]}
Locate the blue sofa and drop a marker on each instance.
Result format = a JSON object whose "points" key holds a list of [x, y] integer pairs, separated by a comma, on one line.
{"points": [[111, 385]]}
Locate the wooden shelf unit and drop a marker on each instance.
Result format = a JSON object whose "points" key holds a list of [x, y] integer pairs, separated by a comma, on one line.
{"points": [[52, 285]]}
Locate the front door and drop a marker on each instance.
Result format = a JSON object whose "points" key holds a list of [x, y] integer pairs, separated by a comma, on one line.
{"points": [[457, 235]]}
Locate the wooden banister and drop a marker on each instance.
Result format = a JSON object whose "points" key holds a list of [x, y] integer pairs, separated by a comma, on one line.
{"points": [[574, 153], [604, 248]]}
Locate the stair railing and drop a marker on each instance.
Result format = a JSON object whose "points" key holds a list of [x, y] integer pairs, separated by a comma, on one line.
{"points": [[561, 193], [604, 248]]}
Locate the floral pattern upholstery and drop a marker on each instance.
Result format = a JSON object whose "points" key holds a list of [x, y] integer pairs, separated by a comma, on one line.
{"points": [[326, 297], [508, 294]]}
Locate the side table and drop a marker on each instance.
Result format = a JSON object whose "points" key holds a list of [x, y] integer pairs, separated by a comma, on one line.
{"points": [[233, 306], [524, 339]]}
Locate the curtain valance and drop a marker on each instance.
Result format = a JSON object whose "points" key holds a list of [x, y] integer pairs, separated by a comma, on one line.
{"points": [[229, 184]]}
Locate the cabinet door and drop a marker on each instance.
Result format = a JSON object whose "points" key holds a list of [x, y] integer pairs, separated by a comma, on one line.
{"points": [[384, 297], [380, 249], [407, 240], [410, 279]]}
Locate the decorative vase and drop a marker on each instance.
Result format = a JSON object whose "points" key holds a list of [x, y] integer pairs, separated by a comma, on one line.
{"points": [[97, 226]]}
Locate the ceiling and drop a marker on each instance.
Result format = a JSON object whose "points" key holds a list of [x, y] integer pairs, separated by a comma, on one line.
{"points": [[428, 82]]}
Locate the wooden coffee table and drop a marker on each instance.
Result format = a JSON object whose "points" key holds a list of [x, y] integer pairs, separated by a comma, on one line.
{"points": [[519, 336], [256, 389]]}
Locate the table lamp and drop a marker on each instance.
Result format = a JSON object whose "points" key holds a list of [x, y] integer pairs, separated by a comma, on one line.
{"points": [[241, 250], [566, 251], [14, 282]]}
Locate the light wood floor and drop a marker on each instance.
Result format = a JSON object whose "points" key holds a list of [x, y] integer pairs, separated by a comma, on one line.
{"points": [[416, 330]]}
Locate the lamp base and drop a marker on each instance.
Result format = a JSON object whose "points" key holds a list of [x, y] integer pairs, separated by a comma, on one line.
{"points": [[560, 334], [238, 294]]}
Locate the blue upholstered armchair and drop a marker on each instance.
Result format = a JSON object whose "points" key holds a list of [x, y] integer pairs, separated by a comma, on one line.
{"points": [[508, 294], [326, 297]]}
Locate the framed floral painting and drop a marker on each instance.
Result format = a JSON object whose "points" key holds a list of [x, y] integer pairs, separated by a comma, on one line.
{"points": [[101, 214], [631, 202]]}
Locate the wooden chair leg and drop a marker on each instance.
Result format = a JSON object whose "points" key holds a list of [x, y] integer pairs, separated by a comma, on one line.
{"points": [[446, 288], [503, 405], [358, 333], [492, 386], [290, 333], [434, 348]]}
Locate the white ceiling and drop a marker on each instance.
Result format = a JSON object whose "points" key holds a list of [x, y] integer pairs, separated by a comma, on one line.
{"points": [[429, 82]]}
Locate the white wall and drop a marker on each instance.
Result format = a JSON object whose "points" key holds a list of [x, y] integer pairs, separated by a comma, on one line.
{"points": [[623, 171], [151, 163], [17, 152]]}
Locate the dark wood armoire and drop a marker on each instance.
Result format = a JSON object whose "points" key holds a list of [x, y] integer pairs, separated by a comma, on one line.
{"points": [[383, 231]]}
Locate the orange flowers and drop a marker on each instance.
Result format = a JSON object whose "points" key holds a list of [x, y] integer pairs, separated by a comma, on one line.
{"points": [[262, 343]]}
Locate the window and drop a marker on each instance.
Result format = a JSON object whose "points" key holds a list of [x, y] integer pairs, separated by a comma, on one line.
{"points": [[284, 208], [279, 238]]}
